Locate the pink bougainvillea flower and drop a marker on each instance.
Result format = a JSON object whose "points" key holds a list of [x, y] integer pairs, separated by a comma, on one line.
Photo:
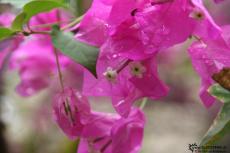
{"points": [[160, 25], [125, 137], [209, 57], [138, 29], [101, 16], [73, 114], [127, 134], [70, 112], [124, 10], [94, 23], [124, 81], [205, 67], [125, 40]]}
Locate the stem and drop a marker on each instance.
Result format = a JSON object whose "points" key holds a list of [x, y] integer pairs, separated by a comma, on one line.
{"points": [[123, 65], [143, 103], [196, 37], [59, 69], [40, 32], [77, 20], [25, 33], [33, 32], [48, 24], [105, 146], [98, 139], [161, 2]]}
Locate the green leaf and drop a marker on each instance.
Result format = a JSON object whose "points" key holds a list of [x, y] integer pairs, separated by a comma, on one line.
{"points": [[76, 6], [39, 6], [81, 53], [219, 129], [33, 8], [221, 125], [5, 33], [18, 22], [220, 93]]}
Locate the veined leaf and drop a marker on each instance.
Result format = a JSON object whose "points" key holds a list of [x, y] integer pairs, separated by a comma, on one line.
{"points": [[33, 8], [80, 52], [220, 93], [39, 6], [18, 22], [76, 6], [221, 125]]}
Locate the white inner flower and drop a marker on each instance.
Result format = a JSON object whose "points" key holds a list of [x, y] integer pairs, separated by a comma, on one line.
{"points": [[197, 14], [137, 69], [110, 74]]}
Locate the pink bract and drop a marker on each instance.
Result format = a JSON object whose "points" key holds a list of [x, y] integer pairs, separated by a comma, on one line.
{"points": [[73, 114], [208, 57], [126, 136], [127, 87]]}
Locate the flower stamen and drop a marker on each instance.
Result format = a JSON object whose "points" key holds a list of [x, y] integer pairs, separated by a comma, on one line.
{"points": [[197, 14], [137, 69], [110, 74]]}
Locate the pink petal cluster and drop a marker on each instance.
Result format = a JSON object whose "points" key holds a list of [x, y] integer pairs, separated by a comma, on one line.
{"points": [[209, 56], [136, 80], [103, 132], [130, 34], [134, 32]]}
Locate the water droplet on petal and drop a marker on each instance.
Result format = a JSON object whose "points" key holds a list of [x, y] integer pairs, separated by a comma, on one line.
{"points": [[120, 103]]}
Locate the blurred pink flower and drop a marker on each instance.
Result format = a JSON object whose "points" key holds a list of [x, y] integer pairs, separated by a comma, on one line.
{"points": [[6, 19], [35, 59], [36, 65], [10, 44]]}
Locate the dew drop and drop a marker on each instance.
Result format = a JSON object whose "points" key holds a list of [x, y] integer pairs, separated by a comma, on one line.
{"points": [[120, 103]]}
